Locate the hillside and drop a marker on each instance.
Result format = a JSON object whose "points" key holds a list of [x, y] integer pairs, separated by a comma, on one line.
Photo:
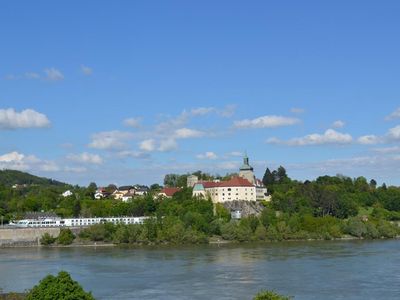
{"points": [[11, 177]]}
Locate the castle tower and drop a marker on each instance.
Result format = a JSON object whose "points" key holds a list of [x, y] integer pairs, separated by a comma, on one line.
{"points": [[246, 171]]}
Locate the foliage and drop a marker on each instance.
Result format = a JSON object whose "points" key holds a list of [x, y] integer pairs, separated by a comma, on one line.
{"points": [[60, 287], [47, 239], [66, 237], [11, 177], [270, 295]]}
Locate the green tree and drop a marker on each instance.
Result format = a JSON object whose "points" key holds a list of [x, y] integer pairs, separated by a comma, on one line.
{"points": [[66, 237], [47, 239], [268, 178], [270, 295], [60, 287]]}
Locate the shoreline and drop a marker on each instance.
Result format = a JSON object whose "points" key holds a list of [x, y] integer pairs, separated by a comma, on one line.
{"points": [[90, 244]]}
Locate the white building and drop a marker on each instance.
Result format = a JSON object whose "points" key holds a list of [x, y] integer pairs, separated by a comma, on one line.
{"points": [[191, 181], [243, 187]]}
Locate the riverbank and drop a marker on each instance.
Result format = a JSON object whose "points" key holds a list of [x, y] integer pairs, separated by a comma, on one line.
{"points": [[215, 240]]}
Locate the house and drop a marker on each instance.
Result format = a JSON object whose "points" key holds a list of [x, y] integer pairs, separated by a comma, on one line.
{"points": [[122, 191], [127, 197], [101, 193], [168, 192], [141, 190], [243, 187], [67, 194]]}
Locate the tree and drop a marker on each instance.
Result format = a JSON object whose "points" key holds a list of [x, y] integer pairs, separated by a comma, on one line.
{"points": [[270, 295], [281, 174], [66, 237], [61, 287], [373, 184], [171, 180], [268, 178], [47, 239]]}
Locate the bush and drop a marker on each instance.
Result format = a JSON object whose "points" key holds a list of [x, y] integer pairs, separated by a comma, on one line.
{"points": [[94, 233], [60, 287], [47, 239], [386, 229], [355, 227], [228, 231], [270, 295], [66, 237]]}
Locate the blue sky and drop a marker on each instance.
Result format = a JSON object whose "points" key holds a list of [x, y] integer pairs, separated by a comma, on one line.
{"points": [[126, 91]]}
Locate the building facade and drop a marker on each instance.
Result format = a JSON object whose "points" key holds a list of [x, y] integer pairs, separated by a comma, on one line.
{"points": [[243, 187]]}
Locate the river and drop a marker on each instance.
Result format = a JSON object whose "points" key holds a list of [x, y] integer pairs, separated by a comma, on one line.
{"points": [[306, 270]]}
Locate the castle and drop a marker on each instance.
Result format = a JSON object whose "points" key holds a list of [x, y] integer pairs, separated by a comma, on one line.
{"points": [[245, 187]]}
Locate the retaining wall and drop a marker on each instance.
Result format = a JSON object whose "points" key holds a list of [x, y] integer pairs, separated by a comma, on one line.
{"points": [[24, 236]]}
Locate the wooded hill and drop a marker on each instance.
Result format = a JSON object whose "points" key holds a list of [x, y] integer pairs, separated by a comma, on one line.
{"points": [[11, 177]]}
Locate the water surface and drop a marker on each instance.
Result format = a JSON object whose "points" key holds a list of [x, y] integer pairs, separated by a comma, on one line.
{"points": [[306, 270]]}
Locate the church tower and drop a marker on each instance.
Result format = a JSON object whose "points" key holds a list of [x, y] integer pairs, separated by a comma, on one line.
{"points": [[246, 171]]}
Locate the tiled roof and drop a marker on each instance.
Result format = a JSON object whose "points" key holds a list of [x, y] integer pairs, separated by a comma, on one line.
{"points": [[169, 191], [234, 181]]}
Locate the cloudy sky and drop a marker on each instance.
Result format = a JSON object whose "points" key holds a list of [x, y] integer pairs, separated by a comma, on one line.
{"points": [[127, 91]]}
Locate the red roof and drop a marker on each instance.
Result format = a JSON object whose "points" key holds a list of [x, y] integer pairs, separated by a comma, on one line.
{"points": [[234, 181], [170, 191]]}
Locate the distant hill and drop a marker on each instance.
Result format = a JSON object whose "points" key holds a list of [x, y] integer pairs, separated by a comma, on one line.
{"points": [[11, 177]]}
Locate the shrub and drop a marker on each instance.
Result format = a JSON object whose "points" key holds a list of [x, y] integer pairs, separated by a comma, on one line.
{"points": [[95, 233], [260, 233], [66, 237], [355, 227], [386, 229], [60, 287], [47, 239], [121, 235], [273, 234], [270, 295], [228, 231]]}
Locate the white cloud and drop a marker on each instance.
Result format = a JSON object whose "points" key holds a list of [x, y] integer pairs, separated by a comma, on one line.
{"points": [[75, 169], [201, 111], [86, 158], [228, 111], [369, 139], [134, 154], [235, 153], [31, 75], [133, 122], [394, 133], [338, 124], [266, 122], [18, 161], [329, 137], [53, 74], [186, 133], [207, 155], [386, 150], [28, 118], [110, 140], [168, 145], [394, 115], [297, 110], [86, 70], [147, 145], [11, 157]]}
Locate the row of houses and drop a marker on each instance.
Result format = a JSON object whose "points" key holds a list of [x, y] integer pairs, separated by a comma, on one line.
{"points": [[124, 193], [245, 187]]}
